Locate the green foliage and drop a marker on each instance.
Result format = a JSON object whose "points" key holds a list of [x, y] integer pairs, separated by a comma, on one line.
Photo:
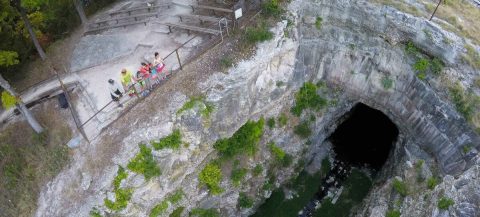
{"points": [[176, 197], [287, 160], [257, 170], [432, 182], [8, 100], [318, 23], [121, 175], [400, 187], [307, 97], [466, 149], [122, 196], [196, 100], [143, 163], [271, 123], [410, 48], [303, 130], [392, 213], [173, 141], [472, 57], [245, 140], [159, 209], [422, 75], [436, 66], [277, 153], [421, 65], [257, 34], [444, 203], [177, 212], [271, 8], [466, 103], [387, 82], [95, 213], [226, 62], [211, 176], [238, 175], [244, 201], [197, 212], [8, 58], [282, 120]]}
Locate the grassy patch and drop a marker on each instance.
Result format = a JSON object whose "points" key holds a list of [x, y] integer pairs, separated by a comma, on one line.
{"points": [[245, 140], [175, 197], [444, 203], [392, 213], [307, 98], [244, 201], [271, 123], [465, 102], [318, 23], [237, 176], [283, 119], [177, 212], [303, 130], [211, 176], [257, 170], [122, 196], [205, 110], [159, 209], [472, 57], [226, 62], [121, 175], [432, 182], [173, 141], [95, 213], [400, 187], [271, 8], [143, 163], [257, 34], [387, 82], [421, 65], [197, 212]]}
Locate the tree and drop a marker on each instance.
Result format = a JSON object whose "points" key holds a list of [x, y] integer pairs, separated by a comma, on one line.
{"points": [[9, 58], [18, 5], [435, 11], [80, 11]]}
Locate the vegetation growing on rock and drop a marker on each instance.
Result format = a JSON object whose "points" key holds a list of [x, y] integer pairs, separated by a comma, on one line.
{"points": [[163, 206], [211, 176], [122, 197], [197, 212], [445, 202], [244, 201], [303, 129], [173, 141], [143, 163], [400, 187], [243, 141], [237, 176], [307, 98], [282, 120], [392, 213], [205, 110]]}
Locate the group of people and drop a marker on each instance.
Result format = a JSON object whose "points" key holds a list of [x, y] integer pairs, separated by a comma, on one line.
{"points": [[147, 76]]}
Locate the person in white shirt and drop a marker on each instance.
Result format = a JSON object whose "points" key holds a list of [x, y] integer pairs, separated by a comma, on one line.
{"points": [[116, 91]]}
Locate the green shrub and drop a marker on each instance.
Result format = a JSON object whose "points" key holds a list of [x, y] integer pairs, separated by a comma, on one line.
{"points": [[444, 203], [173, 141], [421, 65], [410, 48], [318, 23], [432, 182], [244, 201], [303, 130], [464, 102], [422, 75], [226, 62], [245, 140], [159, 209], [387, 82], [122, 196], [282, 120], [257, 34], [436, 66], [271, 123], [175, 197], [466, 149], [95, 213], [211, 176], [307, 97], [177, 212], [277, 153], [287, 160], [204, 111], [121, 175], [238, 175], [472, 57], [271, 8], [143, 163], [257, 170], [400, 187], [392, 213], [197, 212]]}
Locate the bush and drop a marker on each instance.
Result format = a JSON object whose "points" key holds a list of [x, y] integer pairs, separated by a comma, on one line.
{"points": [[177, 212], [245, 140], [464, 102], [303, 130], [211, 176], [244, 201], [410, 48], [282, 120], [271, 123], [159, 209], [143, 163], [421, 65], [121, 175], [287, 160], [444, 203], [277, 153], [436, 66], [307, 97], [172, 141], [271, 8], [257, 170], [122, 196], [318, 23], [197, 212], [205, 111], [472, 57], [432, 182], [95, 213], [400, 187], [238, 175], [175, 197], [226, 62], [387, 82], [257, 34], [393, 213]]}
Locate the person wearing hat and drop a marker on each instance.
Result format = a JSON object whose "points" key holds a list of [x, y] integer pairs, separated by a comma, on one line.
{"points": [[116, 91]]}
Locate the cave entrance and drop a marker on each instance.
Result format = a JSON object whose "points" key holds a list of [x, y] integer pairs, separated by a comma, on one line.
{"points": [[364, 138]]}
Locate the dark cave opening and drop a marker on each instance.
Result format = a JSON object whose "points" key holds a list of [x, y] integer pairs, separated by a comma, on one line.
{"points": [[364, 138]]}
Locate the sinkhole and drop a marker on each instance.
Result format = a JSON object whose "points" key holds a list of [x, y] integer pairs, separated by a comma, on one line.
{"points": [[364, 138]]}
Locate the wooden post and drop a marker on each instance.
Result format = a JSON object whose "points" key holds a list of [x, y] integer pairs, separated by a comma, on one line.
{"points": [[435, 11], [178, 58]]}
